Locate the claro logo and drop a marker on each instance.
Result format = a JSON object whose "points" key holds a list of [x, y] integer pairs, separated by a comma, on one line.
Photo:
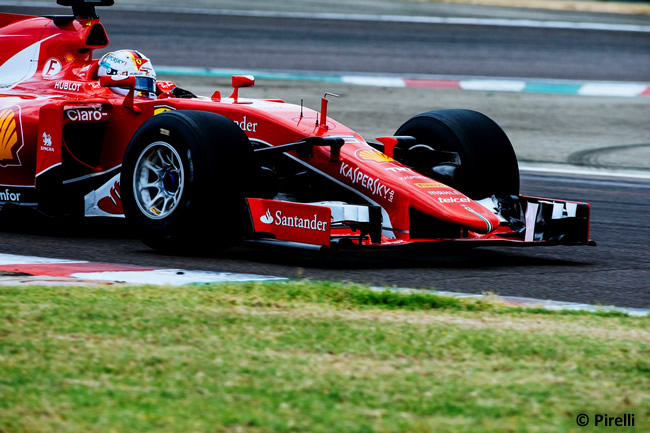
{"points": [[85, 115], [294, 221]]}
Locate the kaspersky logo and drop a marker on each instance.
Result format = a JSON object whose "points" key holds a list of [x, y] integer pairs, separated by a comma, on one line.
{"points": [[11, 140], [293, 221]]}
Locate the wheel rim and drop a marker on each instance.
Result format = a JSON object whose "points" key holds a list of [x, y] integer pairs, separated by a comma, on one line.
{"points": [[158, 180]]}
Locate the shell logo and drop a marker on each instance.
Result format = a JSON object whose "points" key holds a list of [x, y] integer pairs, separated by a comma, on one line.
{"points": [[9, 136], [373, 155], [161, 109]]}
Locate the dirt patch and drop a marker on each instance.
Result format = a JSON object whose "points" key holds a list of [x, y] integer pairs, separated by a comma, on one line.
{"points": [[560, 5]]}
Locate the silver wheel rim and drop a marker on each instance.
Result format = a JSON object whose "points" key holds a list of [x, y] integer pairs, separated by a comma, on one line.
{"points": [[158, 180]]}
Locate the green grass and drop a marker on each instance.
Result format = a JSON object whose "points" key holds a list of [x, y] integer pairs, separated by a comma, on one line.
{"points": [[308, 357]]}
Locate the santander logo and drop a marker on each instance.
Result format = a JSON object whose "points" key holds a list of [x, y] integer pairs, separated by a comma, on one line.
{"points": [[294, 221], [289, 221], [267, 218]]}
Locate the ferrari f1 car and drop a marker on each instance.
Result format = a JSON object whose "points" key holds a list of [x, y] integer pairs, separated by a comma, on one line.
{"points": [[190, 171]]}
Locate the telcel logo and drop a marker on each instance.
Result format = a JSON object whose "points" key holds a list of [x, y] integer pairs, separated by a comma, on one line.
{"points": [[454, 200], [293, 221]]}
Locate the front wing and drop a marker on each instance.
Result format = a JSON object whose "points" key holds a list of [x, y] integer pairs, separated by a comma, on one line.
{"points": [[538, 221]]}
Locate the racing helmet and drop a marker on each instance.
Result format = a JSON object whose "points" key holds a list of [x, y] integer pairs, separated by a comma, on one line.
{"points": [[130, 63]]}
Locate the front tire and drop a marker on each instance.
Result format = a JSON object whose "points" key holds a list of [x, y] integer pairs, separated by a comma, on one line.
{"points": [[183, 181], [488, 164]]}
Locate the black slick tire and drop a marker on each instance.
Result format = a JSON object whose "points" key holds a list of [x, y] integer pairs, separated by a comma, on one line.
{"points": [[213, 166], [488, 164]]}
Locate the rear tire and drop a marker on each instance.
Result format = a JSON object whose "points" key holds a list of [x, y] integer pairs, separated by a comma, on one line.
{"points": [[183, 181], [488, 164]]}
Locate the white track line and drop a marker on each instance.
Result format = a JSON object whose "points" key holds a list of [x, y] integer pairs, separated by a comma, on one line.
{"points": [[117, 273], [11, 259], [172, 277], [534, 168], [612, 89], [362, 80], [494, 85]]}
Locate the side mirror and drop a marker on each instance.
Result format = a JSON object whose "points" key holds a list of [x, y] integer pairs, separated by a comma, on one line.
{"points": [[239, 81], [124, 83], [117, 81], [243, 81]]}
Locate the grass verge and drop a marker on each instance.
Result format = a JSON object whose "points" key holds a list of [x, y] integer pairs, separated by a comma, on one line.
{"points": [[313, 357]]}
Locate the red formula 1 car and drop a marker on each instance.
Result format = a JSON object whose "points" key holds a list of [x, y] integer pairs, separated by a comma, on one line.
{"points": [[102, 138]]}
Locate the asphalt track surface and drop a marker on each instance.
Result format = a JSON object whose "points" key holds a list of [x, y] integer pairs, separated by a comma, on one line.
{"points": [[615, 272], [356, 46]]}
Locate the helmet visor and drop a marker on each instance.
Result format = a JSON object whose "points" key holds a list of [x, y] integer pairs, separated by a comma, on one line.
{"points": [[145, 84]]}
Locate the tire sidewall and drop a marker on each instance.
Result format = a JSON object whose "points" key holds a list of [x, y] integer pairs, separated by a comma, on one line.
{"points": [[184, 143], [488, 161], [215, 154]]}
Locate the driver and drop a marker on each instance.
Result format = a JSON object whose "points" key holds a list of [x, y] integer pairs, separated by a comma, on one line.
{"points": [[130, 63]]}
